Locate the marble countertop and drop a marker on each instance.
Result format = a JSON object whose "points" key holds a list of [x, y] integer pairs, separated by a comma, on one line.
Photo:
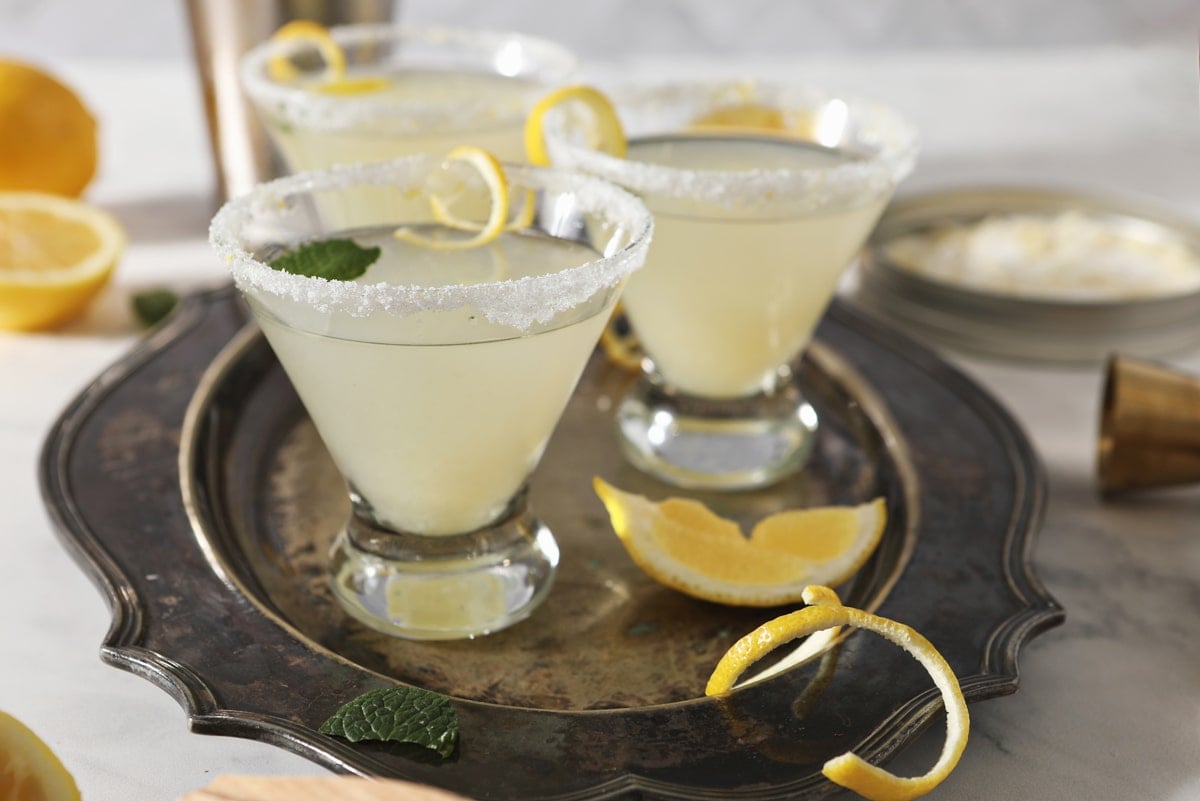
{"points": [[1109, 703]]}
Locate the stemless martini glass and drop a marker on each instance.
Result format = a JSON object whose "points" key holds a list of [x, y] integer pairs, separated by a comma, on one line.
{"points": [[762, 194], [436, 378], [420, 90]]}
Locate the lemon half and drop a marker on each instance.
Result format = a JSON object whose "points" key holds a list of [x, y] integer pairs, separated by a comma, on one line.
{"points": [[56, 254], [29, 770]]}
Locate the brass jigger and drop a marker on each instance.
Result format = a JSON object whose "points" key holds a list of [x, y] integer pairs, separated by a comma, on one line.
{"points": [[1149, 427]]}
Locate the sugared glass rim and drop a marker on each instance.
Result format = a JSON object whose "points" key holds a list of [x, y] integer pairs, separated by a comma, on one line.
{"points": [[886, 142], [552, 62], [518, 303]]}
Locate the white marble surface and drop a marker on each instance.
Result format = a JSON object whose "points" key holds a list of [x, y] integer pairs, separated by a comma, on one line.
{"points": [[1109, 706]]}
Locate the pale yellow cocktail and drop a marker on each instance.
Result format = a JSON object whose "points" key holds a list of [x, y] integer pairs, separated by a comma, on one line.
{"points": [[436, 377], [405, 91], [762, 194]]}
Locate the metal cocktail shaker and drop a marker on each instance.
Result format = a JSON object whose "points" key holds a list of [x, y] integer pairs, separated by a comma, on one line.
{"points": [[222, 30]]}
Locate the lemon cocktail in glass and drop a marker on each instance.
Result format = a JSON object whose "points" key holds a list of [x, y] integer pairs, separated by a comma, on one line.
{"points": [[435, 377], [762, 194], [376, 92]]}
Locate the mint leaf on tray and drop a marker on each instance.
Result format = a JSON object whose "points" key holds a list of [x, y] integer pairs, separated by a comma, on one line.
{"points": [[400, 714], [335, 259], [153, 305]]}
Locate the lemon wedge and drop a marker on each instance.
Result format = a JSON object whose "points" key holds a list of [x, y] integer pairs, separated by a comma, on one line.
{"points": [[682, 544], [607, 134], [825, 611], [56, 254], [29, 770], [492, 172]]}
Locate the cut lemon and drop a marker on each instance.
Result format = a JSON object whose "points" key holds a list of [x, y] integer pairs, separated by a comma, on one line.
{"points": [[825, 611], [56, 254], [684, 545], [29, 770], [47, 135], [492, 172], [607, 134]]}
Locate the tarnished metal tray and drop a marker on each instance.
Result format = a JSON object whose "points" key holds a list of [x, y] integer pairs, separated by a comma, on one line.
{"points": [[190, 484]]}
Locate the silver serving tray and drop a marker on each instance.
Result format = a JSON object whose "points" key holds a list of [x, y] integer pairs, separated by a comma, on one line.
{"points": [[190, 484]]}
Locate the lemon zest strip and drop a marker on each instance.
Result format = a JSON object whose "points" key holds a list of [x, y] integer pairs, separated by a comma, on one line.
{"points": [[610, 135], [522, 219], [280, 68], [492, 172], [849, 770]]}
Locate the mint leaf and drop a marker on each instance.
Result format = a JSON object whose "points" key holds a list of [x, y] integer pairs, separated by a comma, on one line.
{"points": [[154, 305], [335, 259], [402, 714]]}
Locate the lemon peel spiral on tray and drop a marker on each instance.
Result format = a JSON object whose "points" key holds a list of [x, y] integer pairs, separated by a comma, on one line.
{"points": [[825, 611]]}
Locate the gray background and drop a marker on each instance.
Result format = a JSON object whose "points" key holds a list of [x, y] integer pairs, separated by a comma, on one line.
{"points": [[612, 29]]}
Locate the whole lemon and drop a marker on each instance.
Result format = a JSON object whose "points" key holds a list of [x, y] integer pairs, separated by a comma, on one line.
{"points": [[47, 135]]}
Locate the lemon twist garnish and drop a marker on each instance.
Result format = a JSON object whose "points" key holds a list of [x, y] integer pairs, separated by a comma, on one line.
{"points": [[281, 69], [28, 768], [608, 137], [492, 172], [607, 134], [682, 544], [522, 219], [849, 770]]}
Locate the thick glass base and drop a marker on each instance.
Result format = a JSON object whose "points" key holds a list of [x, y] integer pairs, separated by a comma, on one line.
{"points": [[448, 587], [698, 443]]}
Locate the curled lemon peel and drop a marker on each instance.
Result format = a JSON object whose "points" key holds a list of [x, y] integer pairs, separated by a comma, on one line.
{"points": [[490, 169], [520, 220], [280, 68], [849, 770], [609, 136]]}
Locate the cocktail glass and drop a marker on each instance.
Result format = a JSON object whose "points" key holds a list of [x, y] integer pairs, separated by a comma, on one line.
{"points": [[762, 194], [441, 88], [437, 377]]}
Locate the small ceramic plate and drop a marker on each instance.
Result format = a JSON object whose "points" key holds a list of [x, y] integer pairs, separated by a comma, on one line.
{"points": [[1063, 328]]}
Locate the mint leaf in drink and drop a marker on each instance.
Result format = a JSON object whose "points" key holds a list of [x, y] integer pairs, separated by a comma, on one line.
{"points": [[153, 305], [401, 714], [335, 259]]}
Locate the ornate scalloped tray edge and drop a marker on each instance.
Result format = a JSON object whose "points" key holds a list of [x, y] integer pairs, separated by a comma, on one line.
{"points": [[111, 473]]}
